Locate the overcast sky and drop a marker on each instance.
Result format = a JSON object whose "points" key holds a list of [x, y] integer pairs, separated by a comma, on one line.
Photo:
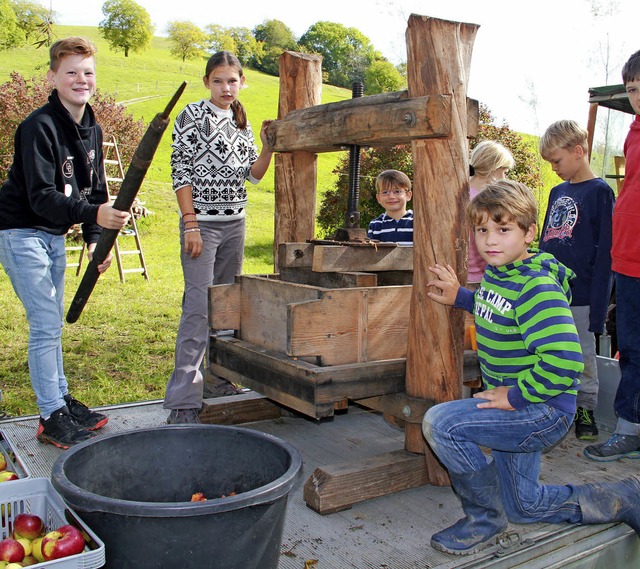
{"points": [[532, 64]]}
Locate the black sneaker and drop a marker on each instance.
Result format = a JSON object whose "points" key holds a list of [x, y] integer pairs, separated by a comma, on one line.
{"points": [[62, 430], [86, 418], [586, 429], [618, 446]]}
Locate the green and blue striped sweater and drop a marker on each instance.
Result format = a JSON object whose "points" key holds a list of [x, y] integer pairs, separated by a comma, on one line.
{"points": [[525, 333]]}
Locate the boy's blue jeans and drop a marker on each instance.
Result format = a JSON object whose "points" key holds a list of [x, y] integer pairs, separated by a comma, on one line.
{"points": [[457, 430], [627, 404], [35, 262]]}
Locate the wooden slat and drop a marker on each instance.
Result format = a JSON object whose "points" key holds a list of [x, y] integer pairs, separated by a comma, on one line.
{"points": [[237, 409], [325, 128], [224, 307], [295, 255], [337, 487], [330, 258], [328, 280], [263, 309], [305, 387], [333, 327]]}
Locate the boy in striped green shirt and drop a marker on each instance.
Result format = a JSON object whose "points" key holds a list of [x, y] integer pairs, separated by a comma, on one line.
{"points": [[530, 359]]}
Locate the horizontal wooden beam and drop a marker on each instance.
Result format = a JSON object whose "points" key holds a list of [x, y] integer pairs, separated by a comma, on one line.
{"points": [[337, 487], [238, 409], [332, 258], [330, 127]]}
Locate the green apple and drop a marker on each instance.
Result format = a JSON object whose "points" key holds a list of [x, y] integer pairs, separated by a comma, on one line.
{"points": [[36, 549], [26, 543], [6, 475]]}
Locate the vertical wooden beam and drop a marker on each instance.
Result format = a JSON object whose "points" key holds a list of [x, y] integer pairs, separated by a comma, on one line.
{"points": [[438, 61], [591, 127], [296, 172]]}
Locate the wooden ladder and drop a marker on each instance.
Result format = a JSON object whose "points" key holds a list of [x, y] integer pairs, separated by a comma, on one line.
{"points": [[114, 173]]}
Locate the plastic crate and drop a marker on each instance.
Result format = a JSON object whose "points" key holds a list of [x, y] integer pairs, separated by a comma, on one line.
{"points": [[14, 462], [38, 496]]}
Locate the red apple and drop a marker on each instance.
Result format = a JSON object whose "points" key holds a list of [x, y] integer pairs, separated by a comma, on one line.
{"points": [[3, 461], [7, 475], [62, 542], [27, 525], [11, 550]]}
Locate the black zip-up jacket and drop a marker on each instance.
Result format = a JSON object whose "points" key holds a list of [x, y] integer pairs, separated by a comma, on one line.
{"points": [[57, 176]]}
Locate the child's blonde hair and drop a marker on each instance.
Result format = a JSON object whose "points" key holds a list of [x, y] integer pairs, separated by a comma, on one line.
{"points": [[631, 69], [563, 134], [489, 156], [504, 201], [389, 179], [74, 45], [227, 58]]}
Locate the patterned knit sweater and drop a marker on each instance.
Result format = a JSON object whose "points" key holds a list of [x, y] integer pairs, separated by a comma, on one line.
{"points": [[526, 336], [213, 156]]}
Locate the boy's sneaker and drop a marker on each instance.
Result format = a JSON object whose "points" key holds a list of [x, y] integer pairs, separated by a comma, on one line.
{"points": [[184, 417], [586, 429], [62, 430], [86, 418], [618, 446]]}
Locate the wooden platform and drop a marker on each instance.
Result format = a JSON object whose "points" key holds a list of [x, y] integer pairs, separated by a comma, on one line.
{"points": [[393, 531]]}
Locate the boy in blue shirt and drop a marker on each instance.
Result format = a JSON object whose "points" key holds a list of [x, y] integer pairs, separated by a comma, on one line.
{"points": [[395, 225], [529, 355], [577, 232]]}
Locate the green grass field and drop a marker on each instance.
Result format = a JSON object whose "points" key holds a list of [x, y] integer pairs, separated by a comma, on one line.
{"points": [[121, 348]]}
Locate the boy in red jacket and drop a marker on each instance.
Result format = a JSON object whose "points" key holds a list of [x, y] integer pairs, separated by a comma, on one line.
{"points": [[625, 263]]}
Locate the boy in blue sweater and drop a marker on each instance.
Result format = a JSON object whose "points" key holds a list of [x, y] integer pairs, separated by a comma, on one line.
{"points": [[577, 232], [530, 359], [395, 225]]}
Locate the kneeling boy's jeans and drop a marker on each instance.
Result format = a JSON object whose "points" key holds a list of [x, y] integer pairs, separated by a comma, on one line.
{"points": [[457, 430], [35, 262]]}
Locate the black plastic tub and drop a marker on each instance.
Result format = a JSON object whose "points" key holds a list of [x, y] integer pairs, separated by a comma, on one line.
{"points": [[134, 490]]}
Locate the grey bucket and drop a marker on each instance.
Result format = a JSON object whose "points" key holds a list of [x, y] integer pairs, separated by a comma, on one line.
{"points": [[133, 489]]}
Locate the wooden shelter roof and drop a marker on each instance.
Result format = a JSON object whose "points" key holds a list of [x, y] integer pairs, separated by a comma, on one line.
{"points": [[611, 97]]}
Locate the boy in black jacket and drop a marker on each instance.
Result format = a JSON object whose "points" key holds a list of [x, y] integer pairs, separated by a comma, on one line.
{"points": [[56, 180]]}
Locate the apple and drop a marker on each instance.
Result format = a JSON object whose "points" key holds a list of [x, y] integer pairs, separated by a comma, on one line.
{"points": [[26, 543], [14, 566], [29, 560], [11, 550], [6, 475], [62, 542], [27, 525], [3, 461], [36, 549]]}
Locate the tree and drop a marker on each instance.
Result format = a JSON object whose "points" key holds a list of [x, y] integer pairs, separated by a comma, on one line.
{"points": [[375, 160], [246, 45], [30, 16], [273, 37], [382, 77], [274, 33], [239, 41], [346, 52], [187, 40], [10, 33], [127, 26], [219, 39]]}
